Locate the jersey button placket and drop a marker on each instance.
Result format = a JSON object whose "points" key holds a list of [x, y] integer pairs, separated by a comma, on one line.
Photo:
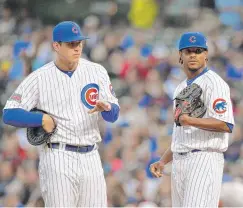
{"points": [[71, 100]]}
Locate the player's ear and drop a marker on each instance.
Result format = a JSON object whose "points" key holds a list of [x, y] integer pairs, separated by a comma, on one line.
{"points": [[206, 54], [55, 45], [180, 59]]}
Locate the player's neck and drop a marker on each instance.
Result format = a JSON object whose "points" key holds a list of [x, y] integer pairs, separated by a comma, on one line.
{"points": [[65, 66], [194, 73]]}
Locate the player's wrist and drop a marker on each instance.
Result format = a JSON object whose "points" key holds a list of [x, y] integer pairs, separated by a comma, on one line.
{"points": [[46, 119], [186, 120], [107, 106], [190, 121], [48, 123], [162, 162]]}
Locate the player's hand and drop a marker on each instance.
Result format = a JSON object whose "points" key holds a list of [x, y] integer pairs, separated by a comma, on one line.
{"points": [[184, 120], [157, 168], [48, 123], [101, 106]]}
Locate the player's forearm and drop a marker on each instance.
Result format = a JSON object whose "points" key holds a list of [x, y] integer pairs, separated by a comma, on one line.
{"points": [[21, 118], [210, 124], [167, 156]]}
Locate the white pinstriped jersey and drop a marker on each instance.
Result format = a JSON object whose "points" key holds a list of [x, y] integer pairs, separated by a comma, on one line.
{"points": [[216, 97], [67, 99]]}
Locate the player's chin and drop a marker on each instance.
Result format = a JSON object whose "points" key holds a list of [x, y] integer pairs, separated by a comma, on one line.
{"points": [[193, 66], [75, 58]]}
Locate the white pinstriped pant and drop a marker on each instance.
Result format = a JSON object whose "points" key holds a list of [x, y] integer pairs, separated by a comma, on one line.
{"points": [[196, 179], [70, 179]]}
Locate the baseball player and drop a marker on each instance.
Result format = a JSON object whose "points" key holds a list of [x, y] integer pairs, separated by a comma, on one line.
{"points": [[198, 144], [72, 91]]}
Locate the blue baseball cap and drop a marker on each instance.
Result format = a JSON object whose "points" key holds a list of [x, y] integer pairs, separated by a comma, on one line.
{"points": [[193, 39], [67, 31]]}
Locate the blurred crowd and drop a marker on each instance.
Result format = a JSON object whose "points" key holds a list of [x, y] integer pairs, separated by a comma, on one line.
{"points": [[141, 56]]}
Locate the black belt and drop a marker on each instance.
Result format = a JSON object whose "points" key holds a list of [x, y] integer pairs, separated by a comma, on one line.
{"points": [[71, 148], [185, 153]]}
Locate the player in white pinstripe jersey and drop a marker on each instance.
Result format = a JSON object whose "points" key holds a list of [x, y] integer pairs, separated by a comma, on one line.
{"points": [[72, 91], [198, 144]]}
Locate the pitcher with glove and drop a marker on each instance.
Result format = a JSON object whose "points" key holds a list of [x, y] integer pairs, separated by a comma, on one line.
{"points": [[203, 117]]}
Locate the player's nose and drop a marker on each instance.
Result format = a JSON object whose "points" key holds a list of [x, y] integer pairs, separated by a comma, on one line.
{"points": [[192, 54], [192, 57], [77, 49]]}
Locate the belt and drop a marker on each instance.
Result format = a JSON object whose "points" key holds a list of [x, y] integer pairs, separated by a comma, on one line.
{"points": [[71, 148], [185, 153]]}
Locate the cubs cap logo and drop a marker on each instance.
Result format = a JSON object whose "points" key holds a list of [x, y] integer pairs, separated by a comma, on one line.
{"points": [[192, 39], [89, 95], [75, 29], [219, 106]]}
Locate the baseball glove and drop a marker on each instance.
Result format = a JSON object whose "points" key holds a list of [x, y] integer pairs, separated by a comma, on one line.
{"points": [[188, 102], [37, 135]]}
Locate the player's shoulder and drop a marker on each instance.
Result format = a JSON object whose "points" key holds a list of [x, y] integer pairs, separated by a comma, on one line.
{"points": [[45, 68], [180, 87], [87, 62], [215, 80], [94, 65], [39, 71]]}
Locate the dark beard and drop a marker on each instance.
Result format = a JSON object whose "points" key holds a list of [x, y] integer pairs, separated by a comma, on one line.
{"points": [[193, 70]]}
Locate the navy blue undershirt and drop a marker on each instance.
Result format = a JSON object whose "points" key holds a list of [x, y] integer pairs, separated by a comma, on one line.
{"points": [[190, 81], [112, 115], [21, 118], [69, 73]]}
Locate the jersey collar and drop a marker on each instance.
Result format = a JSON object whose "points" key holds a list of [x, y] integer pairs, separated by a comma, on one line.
{"points": [[190, 81], [69, 73]]}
